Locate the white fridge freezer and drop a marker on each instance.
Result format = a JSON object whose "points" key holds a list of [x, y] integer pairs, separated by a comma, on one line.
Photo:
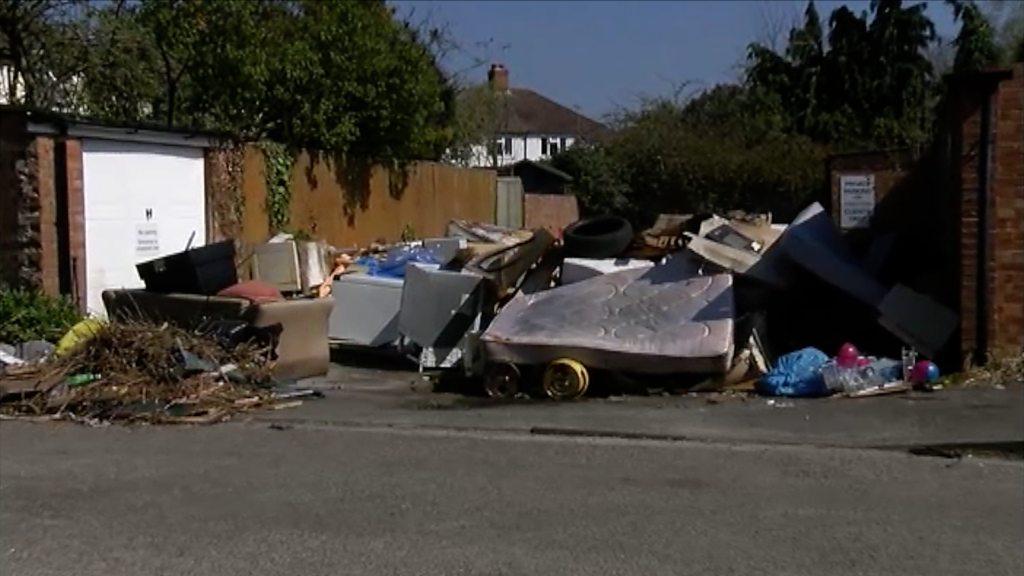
{"points": [[365, 310]]}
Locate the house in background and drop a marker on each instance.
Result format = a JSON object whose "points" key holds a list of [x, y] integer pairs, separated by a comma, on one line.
{"points": [[12, 87], [530, 126]]}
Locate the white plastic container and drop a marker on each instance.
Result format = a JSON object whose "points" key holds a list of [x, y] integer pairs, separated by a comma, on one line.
{"points": [[579, 269]]}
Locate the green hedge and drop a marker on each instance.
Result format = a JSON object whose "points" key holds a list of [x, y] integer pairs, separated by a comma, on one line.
{"points": [[32, 315], [725, 149]]}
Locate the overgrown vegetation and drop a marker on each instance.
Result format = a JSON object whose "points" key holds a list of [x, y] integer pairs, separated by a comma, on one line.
{"points": [[31, 315], [352, 78], [477, 121], [718, 151], [277, 162], [869, 85], [328, 74], [861, 82]]}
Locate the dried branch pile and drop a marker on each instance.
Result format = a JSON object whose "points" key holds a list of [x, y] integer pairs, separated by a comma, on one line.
{"points": [[142, 372]]}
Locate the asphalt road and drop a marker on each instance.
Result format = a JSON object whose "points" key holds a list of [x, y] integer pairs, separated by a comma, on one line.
{"points": [[308, 500]]}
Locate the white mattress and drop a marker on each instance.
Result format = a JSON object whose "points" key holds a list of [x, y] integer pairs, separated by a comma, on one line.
{"points": [[664, 319]]}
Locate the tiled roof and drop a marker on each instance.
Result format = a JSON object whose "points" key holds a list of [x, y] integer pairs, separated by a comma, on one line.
{"points": [[527, 112]]}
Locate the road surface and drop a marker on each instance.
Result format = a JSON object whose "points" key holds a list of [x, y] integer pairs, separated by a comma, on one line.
{"points": [[314, 499]]}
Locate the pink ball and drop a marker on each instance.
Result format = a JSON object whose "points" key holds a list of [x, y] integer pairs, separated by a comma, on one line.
{"points": [[847, 356], [924, 371]]}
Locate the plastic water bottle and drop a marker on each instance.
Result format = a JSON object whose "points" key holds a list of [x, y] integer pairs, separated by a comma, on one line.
{"points": [[875, 375], [909, 359]]}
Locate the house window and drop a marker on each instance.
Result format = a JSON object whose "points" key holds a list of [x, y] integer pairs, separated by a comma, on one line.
{"points": [[508, 146], [564, 146], [554, 147], [543, 146]]}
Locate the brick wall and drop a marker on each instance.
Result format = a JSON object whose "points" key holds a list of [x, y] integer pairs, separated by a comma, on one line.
{"points": [[999, 329], [890, 170], [966, 146], [551, 211], [13, 160], [28, 240], [1007, 217], [73, 265], [42, 217]]}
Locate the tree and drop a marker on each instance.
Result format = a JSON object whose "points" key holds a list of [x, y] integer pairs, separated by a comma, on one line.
{"points": [[805, 53], [1007, 22], [1012, 34], [41, 48], [597, 179], [381, 88], [722, 149], [478, 115], [975, 43], [328, 74], [871, 86], [792, 78], [120, 82]]}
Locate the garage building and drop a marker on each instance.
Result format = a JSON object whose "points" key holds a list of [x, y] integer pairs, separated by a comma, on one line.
{"points": [[81, 203]]}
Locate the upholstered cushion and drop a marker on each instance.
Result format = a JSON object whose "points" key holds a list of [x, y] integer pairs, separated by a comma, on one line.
{"points": [[254, 291]]}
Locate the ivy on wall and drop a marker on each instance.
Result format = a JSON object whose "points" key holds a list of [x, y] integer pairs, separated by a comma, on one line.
{"points": [[227, 159], [278, 160]]}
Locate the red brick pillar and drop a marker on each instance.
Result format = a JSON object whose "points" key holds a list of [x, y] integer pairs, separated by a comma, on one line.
{"points": [[75, 264], [968, 103], [990, 165], [28, 215], [1006, 228]]}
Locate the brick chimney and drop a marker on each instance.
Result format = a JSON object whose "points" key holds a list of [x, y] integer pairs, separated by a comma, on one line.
{"points": [[497, 77]]}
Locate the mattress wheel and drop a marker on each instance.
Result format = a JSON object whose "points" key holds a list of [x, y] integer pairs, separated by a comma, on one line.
{"points": [[501, 381], [565, 379]]}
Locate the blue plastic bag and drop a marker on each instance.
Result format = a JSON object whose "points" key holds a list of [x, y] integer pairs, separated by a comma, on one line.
{"points": [[393, 265], [796, 374]]}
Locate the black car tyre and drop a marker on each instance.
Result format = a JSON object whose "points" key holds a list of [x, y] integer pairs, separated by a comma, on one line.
{"points": [[598, 237]]}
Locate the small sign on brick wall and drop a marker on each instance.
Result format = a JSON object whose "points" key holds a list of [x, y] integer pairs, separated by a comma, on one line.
{"points": [[856, 200], [147, 240]]}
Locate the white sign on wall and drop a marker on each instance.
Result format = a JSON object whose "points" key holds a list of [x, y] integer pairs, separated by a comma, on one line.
{"points": [[147, 240], [856, 200]]}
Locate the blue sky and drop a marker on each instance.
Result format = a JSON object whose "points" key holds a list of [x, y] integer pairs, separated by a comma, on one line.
{"points": [[598, 56]]}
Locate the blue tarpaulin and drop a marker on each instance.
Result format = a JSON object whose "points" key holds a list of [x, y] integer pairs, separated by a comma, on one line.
{"points": [[393, 266]]}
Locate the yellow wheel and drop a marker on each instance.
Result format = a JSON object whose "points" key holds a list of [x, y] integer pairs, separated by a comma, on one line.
{"points": [[501, 381], [565, 379]]}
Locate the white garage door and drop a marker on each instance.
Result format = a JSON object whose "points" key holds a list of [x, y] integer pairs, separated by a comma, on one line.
{"points": [[142, 201]]}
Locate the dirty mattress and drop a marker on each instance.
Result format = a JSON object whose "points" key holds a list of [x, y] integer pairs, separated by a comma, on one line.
{"points": [[664, 319]]}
